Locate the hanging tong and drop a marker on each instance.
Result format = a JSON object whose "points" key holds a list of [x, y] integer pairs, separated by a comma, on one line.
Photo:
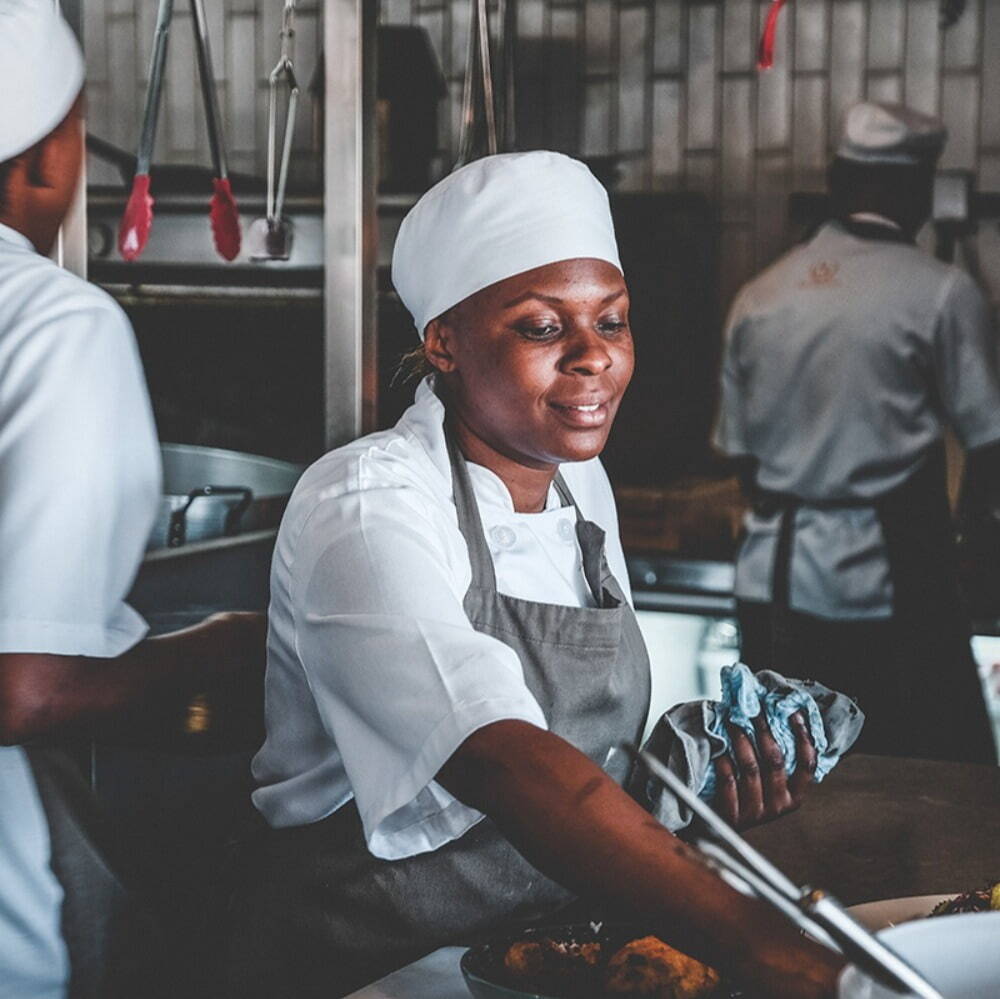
{"points": [[813, 911], [272, 236], [137, 220], [479, 91], [223, 213]]}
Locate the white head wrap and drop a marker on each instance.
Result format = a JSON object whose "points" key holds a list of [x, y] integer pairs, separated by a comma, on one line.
{"points": [[42, 70], [494, 218], [890, 134]]}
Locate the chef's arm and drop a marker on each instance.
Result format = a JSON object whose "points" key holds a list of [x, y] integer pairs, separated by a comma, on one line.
{"points": [[570, 820], [44, 694]]}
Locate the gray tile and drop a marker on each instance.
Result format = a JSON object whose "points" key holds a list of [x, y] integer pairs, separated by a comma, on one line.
{"points": [[991, 74], [667, 43], [847, 59], [666, 137], [886, 31], [811, 38], [737, 142], [810, 133], [739, 46], [597, 118], [885, 87], [600, 35], [961, 41], [703, 56], [923, 55], [632, 77], [960, 110], [774, 91]]}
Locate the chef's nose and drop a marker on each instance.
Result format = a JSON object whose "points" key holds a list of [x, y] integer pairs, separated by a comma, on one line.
{"points": [[587, 353]]}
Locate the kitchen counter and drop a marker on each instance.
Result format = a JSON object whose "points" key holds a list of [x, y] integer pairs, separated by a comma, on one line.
{"points": [[878, 827]]}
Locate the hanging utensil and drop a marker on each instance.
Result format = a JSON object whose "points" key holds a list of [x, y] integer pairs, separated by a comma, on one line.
{"points": [[223, 213], [272, 236], [814, 911], [765, 51], [138, 218], [478, 84]]}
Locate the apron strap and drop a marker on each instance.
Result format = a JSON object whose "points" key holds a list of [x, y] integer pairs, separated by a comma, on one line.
{"points": [[591, 540]]}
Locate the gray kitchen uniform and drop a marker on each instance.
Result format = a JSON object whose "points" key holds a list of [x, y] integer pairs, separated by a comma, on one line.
{"points": [[317, 914], [844, 362]]}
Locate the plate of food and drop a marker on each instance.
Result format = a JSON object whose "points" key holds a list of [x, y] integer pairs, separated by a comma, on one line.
{"points": [[587, 961], [889, 912]]}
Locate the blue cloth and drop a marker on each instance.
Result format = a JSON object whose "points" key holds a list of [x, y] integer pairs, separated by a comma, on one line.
{"points": [[744, 697], [690, 737]]}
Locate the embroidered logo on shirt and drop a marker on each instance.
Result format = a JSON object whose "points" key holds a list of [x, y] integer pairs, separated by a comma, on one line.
{"points": [[822, 274]]}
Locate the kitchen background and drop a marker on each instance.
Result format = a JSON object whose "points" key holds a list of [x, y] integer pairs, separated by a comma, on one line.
{"points": [[663, 96]]}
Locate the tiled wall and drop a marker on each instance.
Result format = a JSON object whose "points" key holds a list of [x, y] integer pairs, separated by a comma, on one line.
{"points": [[671, 87], [667, 85], [118, 36]]}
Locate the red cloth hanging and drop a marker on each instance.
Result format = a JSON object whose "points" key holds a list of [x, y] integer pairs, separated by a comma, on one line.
{"points": [[765, 51]]}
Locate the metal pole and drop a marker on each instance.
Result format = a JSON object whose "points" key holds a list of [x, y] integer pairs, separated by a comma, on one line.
{"points": [[350, 221]]}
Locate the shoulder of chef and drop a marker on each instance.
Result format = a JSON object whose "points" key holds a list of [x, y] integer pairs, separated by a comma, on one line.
{"points": [[54, 295], [410, 458]]}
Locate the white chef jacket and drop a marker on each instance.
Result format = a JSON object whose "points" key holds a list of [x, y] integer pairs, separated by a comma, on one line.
{"points": [[843, 362], [79, 486], [375, 675]]}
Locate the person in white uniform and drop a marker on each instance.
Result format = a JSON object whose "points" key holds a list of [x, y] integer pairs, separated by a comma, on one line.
{"points": [[453, 660], [80, 474], [844, 363]]}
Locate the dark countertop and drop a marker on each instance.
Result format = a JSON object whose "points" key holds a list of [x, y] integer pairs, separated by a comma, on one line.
{"points": [[881, 827]]}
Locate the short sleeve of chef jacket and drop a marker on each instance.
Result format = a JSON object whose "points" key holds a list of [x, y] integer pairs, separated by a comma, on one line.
{"points": [[728, 435], [966, 362], [79, 468], [399, 675]]}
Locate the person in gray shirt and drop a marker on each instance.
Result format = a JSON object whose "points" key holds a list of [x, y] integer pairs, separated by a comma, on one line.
{"points": [[844, 363]]}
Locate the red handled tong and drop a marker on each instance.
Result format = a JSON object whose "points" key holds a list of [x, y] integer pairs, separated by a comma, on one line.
{"points": [[138, 218]]}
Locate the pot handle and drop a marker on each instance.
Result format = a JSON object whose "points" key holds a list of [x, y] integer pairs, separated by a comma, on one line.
{"points": [[177, 531]]}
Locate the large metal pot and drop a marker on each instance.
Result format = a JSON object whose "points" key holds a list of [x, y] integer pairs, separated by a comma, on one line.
{"points": [[212, 493]]}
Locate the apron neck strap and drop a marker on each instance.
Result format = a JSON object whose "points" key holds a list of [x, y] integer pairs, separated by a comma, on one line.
{"points": [[469, 522]]}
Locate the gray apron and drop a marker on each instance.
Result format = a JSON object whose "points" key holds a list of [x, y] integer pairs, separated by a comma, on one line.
{"points": [[318, 915], [114, 945]]}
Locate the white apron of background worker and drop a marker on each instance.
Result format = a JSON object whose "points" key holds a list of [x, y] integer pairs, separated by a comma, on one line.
{"points": [[79, 481], [844, 362]]}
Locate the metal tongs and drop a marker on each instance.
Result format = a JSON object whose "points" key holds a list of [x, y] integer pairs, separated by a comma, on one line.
{"points": [[272, 236], [137, 220], [814, 911], [495, 133]]}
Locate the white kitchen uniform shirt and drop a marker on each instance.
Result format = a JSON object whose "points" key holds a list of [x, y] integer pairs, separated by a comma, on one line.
{"points": [[79, 487], [375, 675], [843, 362]]}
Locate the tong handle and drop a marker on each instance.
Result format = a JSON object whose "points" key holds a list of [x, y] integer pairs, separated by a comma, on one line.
{"points": [[157, 64], [210, 97], [283, 72]]}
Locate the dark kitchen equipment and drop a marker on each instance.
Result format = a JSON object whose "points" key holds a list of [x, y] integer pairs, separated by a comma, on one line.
{"points": [[212, 493]]}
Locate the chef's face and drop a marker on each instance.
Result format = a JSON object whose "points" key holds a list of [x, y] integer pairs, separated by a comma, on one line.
{"points": [[536, 365]]}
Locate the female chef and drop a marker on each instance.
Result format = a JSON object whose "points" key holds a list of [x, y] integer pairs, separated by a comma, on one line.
{"points": [[453, 659]]}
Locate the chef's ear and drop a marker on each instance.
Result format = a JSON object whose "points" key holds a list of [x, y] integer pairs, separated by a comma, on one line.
{"points": [[439, 343]]}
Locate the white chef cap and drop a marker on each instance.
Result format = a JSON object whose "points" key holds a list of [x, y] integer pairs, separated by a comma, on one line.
{"points": [[890, 134], [494, 218], [41, 72]]}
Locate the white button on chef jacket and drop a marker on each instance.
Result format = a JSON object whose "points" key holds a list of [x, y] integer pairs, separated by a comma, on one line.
{"points": [[79, 487], [375, 675], [843, 363]]}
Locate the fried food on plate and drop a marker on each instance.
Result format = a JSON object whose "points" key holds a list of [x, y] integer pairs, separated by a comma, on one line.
{"points": [[649, 967]]}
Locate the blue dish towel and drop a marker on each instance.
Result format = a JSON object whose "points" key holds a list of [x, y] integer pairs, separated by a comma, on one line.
{"points": [[691, 736]]}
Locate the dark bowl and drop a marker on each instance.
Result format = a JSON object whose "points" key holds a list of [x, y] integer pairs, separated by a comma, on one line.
{"points": [[487, 977]]}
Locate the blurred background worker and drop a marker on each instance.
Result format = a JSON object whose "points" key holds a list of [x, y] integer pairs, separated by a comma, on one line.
{"points": [[80, 475], [844, 362]]}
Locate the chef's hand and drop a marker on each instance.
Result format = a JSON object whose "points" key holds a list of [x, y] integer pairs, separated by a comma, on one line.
{"points": [[752, 785]]}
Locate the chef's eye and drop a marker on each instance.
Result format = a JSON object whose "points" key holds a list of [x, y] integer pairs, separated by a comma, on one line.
{"points": [[538, 331], [609, 327]]}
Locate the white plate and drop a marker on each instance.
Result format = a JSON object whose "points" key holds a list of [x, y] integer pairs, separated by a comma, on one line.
{"points": [[959, 956], [888, 912]]}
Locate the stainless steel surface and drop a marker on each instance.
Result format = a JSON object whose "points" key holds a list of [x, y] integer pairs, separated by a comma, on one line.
{"points": [[826, 912], [188, 470], [350, 225]]}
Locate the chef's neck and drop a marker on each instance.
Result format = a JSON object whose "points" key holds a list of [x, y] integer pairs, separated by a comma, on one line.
{"points": [[527, 483]]}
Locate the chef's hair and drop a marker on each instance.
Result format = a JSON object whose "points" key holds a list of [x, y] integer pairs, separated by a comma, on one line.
{"points": [[5, 171], [890, 188]]}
